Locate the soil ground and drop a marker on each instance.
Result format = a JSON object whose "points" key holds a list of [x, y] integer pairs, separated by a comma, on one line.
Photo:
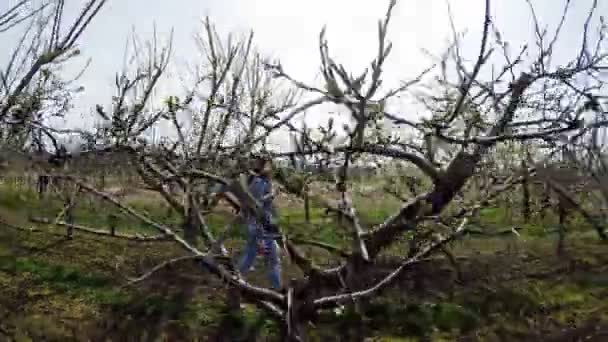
{"points": [[503, 289]]}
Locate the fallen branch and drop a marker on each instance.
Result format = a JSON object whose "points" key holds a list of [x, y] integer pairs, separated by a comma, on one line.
{"points": [[326, 246], [300, 259], [101, 232], [15, 227], [133, 281]]}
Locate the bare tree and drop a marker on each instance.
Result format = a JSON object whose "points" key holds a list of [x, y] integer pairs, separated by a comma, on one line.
{"points": [[585, 156], [235, 105], [17, 14], [31, 89]]}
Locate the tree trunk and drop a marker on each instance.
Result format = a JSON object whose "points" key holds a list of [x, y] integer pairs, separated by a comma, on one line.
{"points": [[69, 219], [525, 206], [234, 301], [112, 221], [190, 229], [544, 203], [508, 209], [191, 224], [102, 180], [562, 228], [42, 185], [353, 328], [306, 206]]}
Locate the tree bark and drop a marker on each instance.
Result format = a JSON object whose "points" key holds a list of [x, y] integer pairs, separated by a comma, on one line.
{"points": [[562, 213], [306, 206], [190, 230], [545, 200]]}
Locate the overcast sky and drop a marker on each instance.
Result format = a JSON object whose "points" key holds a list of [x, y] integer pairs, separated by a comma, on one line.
{"points": [[288, 29]]}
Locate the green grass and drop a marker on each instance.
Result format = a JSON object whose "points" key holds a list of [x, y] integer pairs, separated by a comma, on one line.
{"points": [[87, 212], [47, 291], [53, 286], [62, 279], [60, 275]]}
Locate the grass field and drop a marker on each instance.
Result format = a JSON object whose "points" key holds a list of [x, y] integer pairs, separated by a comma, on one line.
{"points": [[507, 288]]}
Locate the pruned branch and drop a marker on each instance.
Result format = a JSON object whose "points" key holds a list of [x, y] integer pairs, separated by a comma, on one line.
{"points": [[100, 232], [159, 267]]}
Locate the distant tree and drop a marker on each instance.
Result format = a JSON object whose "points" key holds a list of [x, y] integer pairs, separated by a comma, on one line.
{"points": [[31, 88]]}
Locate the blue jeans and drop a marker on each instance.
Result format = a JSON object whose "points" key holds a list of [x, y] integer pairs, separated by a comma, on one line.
{"points": [[251, 250]]}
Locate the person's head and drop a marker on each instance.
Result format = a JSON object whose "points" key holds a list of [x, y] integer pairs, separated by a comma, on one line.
{"points": [[262, 165]]}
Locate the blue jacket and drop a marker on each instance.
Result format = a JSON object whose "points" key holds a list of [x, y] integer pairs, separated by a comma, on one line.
{"points": [[261, 188]]}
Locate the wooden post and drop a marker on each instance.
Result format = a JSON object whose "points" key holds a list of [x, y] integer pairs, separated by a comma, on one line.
{"points": [[525, 197], [102, 184], [69, 219], [545, 200], [42, 184], [112, 223], [306, 205], [508, 214], [562, 213]]}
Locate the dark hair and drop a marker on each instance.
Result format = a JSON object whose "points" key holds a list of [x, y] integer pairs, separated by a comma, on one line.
{"points": [[259, 163]]}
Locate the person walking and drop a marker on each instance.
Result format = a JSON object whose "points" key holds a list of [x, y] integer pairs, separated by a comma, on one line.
{"points": [[261, 230]]}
